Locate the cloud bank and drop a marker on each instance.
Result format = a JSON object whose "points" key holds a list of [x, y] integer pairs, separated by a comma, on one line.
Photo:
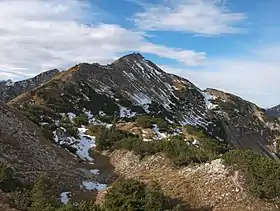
{"points": [[203, 17], [53, 34]]}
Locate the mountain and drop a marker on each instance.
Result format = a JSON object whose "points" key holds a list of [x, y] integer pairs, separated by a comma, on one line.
{"points": [[138, 86], [10, 89], [274, 111], [91, 121]]}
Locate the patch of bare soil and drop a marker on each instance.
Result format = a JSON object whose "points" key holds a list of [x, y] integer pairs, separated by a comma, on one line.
{"points": [[210, 185]]}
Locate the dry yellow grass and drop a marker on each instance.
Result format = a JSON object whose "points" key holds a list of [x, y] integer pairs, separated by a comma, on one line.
{"points": [[205, 186]]}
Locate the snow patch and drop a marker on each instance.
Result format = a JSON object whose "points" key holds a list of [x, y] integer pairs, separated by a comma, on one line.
{"points": [[85, 143], [101, 113], [208, 103], [71, 116], [158, 133], [141, 99], [140, 66], [125, 112], [95, 171], [93, 186], [130, 76], [64, 197]]}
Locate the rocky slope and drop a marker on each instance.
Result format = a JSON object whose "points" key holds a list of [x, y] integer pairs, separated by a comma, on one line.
{"points": [[10, 89], [132, 86], [246, 125], [24, 147]]}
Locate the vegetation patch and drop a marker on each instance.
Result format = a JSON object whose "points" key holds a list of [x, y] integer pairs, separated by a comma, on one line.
{"points": [[146, 121], [176, 148], [262, 174], [125, 194]]}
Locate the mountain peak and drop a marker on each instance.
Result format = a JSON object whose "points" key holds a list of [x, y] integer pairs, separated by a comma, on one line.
{"points": [[136, 56], [130, 57]]}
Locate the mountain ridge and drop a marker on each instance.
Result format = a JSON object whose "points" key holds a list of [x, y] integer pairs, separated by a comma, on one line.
{"points": [[138, 85], [10, 89], [148, 125]]}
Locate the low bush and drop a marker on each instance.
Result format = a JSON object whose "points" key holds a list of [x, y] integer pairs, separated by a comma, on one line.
{"points": [[7, 181], [178, 150], [106, 119], [146, 121], [96, 130], [108, 138], [81, 120], [130, 194], [72, 130], [262, 174], [21, 198]]}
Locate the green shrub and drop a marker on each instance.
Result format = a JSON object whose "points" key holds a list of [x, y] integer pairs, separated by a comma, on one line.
{"points": [[96, 130], [162, 124], [7, 181], [88, 206], [106, 119], [144, 121], [176, 149], [6, 172], [72, 131], [81, 120], [108, 138], [195, 131], [21, 198], [133, 195], [262, 174], [42, 195], [138, 146]]}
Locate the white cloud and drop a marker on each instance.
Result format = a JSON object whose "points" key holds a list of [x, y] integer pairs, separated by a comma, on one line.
{"points": [[255, 77], [37, 35], [204, 17]]}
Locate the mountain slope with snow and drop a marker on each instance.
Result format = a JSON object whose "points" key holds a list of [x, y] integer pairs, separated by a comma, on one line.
{"points": [[133, 86]]}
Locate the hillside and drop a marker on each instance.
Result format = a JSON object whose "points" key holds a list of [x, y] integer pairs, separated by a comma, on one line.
{"points": [[80, 123], [134, 86]]}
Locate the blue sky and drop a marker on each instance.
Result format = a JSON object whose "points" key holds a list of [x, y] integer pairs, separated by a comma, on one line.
{"points": [[232, 45]]}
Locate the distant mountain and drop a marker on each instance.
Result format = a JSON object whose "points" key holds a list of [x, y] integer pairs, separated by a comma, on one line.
{"points": [[10, 89], [138, 86], [274, 111]]}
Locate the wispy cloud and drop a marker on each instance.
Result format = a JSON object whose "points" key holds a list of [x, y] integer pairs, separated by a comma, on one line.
{"points": [[203, 17], [254, 77], [54, 34]]}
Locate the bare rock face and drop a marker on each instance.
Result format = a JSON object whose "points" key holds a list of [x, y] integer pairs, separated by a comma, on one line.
{"points": [[10, 90]]}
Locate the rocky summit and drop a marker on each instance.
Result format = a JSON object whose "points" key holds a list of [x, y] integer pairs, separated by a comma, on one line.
{"points": [[92, 122]]}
